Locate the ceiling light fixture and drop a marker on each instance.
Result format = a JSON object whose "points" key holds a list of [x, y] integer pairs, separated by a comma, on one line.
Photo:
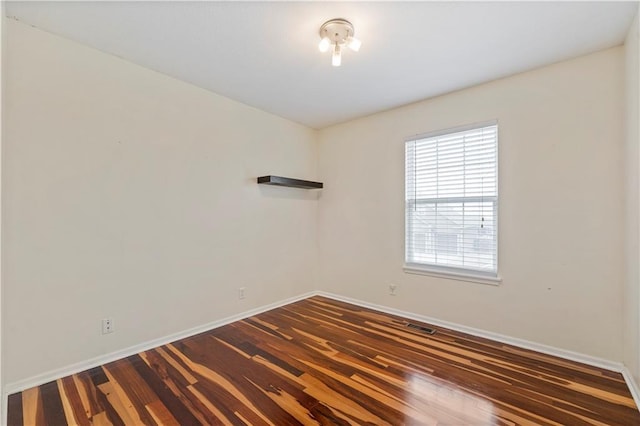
{"points": [[338, 33]]}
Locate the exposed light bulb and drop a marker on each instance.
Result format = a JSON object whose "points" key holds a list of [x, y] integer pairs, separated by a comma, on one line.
{"points": [[324, 44], [336, 58], [354, 44]]}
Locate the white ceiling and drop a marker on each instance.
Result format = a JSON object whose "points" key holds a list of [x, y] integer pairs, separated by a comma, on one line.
{"points": [[265, 54]]}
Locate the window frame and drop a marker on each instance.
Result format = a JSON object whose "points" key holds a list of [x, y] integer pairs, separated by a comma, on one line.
{"points": [[441, 271]]}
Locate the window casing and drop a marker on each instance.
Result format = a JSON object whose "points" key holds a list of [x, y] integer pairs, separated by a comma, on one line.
{"points": [[451, 201]]}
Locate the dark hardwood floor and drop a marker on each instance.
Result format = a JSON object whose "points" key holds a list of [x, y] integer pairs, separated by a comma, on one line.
{"points": [[319, 361]]}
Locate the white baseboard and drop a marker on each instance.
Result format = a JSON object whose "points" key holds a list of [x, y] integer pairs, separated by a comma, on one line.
{"points": [[521, 343], [632, 384], [132, 350], [49, 376], [618, 367]]}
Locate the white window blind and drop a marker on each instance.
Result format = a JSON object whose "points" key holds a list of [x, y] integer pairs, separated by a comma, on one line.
{"points": [[452, 200]]}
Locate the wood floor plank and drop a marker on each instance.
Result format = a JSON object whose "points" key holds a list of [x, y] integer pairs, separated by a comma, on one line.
{"points": [[52, 404], [14, 406], [89, 394], [118, 412], [132, 390], [69, 408], [183, 413], [161, 414], [325, 362], [32, 407]]}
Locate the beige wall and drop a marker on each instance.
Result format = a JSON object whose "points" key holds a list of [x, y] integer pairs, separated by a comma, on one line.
{"points": [[561, 207], [631, 295], [131, 195]]}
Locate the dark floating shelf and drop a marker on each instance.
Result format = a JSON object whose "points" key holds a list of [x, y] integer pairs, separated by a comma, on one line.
{"points": [[293, 183]]}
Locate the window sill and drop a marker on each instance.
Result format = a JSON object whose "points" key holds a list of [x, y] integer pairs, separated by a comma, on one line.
{"points": [[458, 276]]}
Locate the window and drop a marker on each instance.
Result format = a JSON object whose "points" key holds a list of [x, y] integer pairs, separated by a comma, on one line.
{"points": [[451, 193]]}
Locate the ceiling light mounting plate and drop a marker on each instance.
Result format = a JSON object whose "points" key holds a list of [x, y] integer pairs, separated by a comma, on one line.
{"points": [[337, 30]]}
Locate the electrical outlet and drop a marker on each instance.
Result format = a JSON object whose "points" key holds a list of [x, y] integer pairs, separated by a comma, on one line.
{"points": [[107, 326], [392, 289], [241, 293]]}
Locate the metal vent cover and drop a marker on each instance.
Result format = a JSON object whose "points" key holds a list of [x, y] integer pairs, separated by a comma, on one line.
{"points": [[426, 330]]}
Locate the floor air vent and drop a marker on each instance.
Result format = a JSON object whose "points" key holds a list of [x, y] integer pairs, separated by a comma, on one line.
{"points": [[421, 328]]}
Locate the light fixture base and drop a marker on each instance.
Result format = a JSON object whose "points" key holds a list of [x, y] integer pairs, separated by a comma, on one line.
{"points": [[337, 30]]}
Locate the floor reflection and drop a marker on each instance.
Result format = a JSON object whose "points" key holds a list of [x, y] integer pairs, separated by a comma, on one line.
{"points": [[440, 399]]}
